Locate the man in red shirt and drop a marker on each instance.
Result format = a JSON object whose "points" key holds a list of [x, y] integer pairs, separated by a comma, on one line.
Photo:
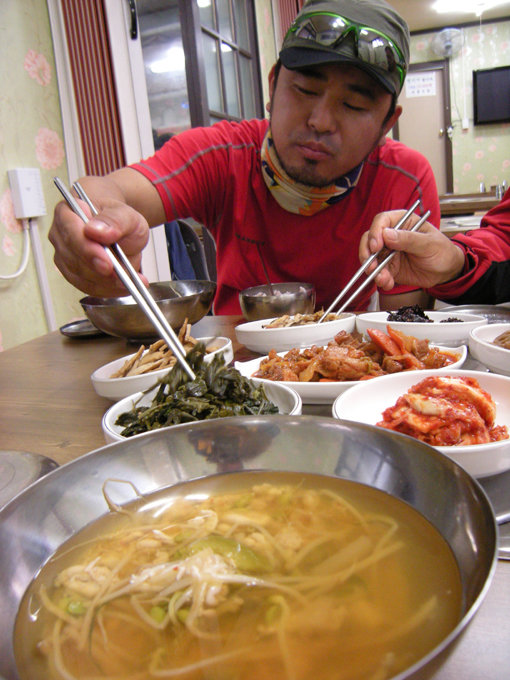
{"points": [[300, 189]]}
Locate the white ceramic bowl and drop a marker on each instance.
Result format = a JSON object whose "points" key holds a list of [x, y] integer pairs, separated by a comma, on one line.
{"points": [[118, 388], [366, 402], [288, 402], [483, 349], [262, 340], [326, 392], [447, 333]]}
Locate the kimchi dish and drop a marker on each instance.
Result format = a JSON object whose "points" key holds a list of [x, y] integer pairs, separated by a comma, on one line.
{"points": [[350, 357], [446, 411]]}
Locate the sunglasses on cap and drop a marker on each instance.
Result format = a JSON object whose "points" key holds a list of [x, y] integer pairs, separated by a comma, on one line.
{"points": [[372, 46]]}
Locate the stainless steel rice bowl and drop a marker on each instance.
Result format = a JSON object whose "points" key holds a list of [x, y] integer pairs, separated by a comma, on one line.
{"points": [[177, 300], [258, 302]]}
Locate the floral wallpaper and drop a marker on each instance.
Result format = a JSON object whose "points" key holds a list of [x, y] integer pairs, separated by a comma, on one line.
{"points": [[482, 152], [30, 137]]}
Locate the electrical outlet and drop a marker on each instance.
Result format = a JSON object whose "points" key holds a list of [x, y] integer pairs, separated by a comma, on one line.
{"points": [[465, 123], [27, 193]]}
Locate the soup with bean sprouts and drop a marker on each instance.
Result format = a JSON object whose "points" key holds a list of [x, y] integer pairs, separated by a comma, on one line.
{"points": [[248, 575]]}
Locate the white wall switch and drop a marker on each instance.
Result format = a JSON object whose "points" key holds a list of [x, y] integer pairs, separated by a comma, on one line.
{"points": [[27, 193]]}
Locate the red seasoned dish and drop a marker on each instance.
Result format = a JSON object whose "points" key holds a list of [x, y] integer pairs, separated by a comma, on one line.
{"points": [[349, 357], [446, 411]]}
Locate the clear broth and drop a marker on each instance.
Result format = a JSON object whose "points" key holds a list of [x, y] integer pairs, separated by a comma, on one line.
{"points": [[317, 600]]}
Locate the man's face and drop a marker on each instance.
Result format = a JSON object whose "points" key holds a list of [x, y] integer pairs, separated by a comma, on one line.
{"points": [[326, 119]]}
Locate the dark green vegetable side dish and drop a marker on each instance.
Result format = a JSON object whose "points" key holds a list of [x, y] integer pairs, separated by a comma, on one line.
{"points": [[218, 391]]}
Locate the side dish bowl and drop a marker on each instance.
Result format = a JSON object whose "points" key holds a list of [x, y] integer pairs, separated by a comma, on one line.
{"points": [[366, 402], [118, 388], [260, 302], [256, 337], [438, 331], [178, 301], [40, 519], [326, 392], [288, 401], [483, 349]]}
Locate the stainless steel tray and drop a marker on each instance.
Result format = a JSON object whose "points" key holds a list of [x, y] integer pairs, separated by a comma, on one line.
{"points": [[493, 313]]}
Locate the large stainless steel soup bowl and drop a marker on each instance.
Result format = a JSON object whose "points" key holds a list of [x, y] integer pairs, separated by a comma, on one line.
{"points": [[37, 521], [178, 301]]}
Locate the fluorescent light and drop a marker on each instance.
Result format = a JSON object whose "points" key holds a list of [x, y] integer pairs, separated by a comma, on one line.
{"points": [[172, 61], [204, 3], [467, 6]]}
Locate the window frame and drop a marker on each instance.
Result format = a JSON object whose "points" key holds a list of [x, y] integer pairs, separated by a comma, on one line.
{"points": [[192, 31]]}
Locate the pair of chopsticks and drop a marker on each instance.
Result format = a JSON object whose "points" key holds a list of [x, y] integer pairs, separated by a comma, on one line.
{"points": [[367, 264], [129, 277]]}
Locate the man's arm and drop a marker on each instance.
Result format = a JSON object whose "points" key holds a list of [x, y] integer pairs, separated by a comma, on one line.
{"points": [[128, 205]]}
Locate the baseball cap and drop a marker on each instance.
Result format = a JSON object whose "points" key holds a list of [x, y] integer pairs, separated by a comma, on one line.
{"points": [[369, 34]]}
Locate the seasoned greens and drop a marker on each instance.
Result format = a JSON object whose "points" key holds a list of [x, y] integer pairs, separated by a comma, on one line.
{"points": [[218, 391]]}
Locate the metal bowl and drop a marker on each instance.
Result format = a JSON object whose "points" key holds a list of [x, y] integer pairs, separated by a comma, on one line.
{"points": [[178, 301], [38, 520], [288, 298]]}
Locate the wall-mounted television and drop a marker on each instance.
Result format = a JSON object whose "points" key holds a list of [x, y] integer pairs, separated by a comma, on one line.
{"points": [[491, 95]]}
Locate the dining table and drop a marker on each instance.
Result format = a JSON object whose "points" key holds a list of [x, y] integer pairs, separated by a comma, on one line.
{"points": [[49, 408]]}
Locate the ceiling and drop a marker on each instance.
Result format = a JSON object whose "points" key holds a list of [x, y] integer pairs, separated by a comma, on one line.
{"points": [[420, 15]]}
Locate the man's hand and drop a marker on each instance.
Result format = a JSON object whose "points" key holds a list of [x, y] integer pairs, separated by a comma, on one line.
{"points": [[79, 247], [424, 258]]}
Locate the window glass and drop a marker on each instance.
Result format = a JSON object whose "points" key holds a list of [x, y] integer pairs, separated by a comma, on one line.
{"points": [[241, 24], [248, 97], [165, 75], [212, 72], [231, 80], [224, 19], [206, 11]]}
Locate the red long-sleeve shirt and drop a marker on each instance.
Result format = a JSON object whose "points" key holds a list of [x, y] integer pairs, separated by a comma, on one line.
{"points": [[213, 175], [486, 276]]}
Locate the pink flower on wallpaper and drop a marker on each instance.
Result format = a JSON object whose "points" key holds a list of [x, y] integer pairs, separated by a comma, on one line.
{"points": [[421, 46], [466, 167], [37, 67], [49, 149], [7, 213], [493, 148], [479, 154], [506, 163], [8, 246]]}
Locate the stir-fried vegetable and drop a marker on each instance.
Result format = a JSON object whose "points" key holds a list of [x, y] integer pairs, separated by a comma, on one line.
{"points": [[218, 391]]}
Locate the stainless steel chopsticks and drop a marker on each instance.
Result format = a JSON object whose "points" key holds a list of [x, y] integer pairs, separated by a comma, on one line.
{"points": [[129, 277], [367, 264]]}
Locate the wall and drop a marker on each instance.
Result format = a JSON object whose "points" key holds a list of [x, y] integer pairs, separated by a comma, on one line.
{"points": [[481, 153], [30, 136]]}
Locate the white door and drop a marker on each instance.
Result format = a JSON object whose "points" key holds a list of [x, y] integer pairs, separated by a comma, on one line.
{"points": [[424, 124]]}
